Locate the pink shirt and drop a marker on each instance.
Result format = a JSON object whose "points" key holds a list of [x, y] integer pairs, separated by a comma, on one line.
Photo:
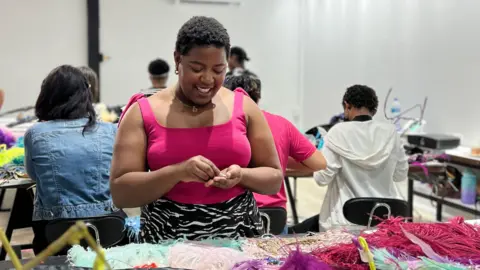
{"points": [[289, 142], [223, 144]]}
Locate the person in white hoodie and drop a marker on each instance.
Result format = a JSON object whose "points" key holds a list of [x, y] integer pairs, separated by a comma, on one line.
{"points": [[364, 157]]}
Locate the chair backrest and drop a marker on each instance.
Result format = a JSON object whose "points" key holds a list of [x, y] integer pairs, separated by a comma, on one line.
{"points": [[277, 219], [357, 210], [110, 229]]}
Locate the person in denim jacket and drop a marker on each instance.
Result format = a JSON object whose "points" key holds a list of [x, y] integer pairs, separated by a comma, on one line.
{"points": [[68, 153]]}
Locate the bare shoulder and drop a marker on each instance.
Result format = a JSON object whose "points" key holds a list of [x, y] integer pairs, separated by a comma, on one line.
{"points": [[133, 117]]}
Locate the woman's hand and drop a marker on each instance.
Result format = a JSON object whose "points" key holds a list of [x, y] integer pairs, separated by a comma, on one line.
{"points": [[199, 169], [227, 178]]}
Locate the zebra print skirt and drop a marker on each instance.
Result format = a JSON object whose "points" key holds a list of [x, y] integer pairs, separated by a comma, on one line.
{"points": [[165, 219]]}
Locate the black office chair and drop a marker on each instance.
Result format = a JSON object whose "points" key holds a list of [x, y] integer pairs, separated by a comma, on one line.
{"points": [[108, 231], [274, 219], [361, 211]]}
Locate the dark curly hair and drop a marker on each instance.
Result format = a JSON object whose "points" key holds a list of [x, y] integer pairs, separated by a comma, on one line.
{"points": [[202, 31], [361, 96], [250, 84], [158, 67]]}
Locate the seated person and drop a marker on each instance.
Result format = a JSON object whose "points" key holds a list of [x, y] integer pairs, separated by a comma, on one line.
{"points": [[289, 141], [68, 153], [192, 154], [158, 70], [92, 79], [364, 157]]}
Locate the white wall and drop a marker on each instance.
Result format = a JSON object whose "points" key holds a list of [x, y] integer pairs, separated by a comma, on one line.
{"points": [[133, 34], [35, 37], [420, 48]]}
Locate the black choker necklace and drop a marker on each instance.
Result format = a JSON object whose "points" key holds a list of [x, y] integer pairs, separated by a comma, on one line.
{"points": [[195, 108]]}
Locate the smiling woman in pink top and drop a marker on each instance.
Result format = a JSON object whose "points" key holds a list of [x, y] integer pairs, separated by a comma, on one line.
{"points": [[289, 141], [192, 154]]}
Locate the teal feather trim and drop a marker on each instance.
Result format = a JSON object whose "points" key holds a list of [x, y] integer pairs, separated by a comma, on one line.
{"points": [[124, 257], [132, 226], [20, 142], [132, 255], [386, 261], [431, 264], [19, 160]]}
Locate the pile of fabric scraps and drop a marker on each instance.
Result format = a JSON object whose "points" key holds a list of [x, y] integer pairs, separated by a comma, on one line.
{"points": [[276, 247], [398, 245]]}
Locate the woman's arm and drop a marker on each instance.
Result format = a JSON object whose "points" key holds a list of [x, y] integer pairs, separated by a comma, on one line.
{"points": [[303, 155], [131, 186], [265, 174]]}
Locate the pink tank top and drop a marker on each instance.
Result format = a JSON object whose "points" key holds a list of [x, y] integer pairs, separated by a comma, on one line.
{"points": [[225, 144]]}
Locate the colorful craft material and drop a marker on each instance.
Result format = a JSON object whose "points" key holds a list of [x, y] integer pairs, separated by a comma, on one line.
{"points": [[298, 260], [452, 243], [123, 257], [12, 172], [393, 245], [204, 257], [386, 261], [8, 155], [130, 255], [146, 266], [365, 253], [276, 247], [132, 226], [20, 142], [7, 137]]}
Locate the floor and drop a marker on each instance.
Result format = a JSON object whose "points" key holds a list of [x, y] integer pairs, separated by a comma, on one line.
{"points": [[309, 201]]}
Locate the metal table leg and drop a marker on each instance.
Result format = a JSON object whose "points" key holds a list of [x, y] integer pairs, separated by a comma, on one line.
{"points": [[410, 197], [20, 217], [292, 201]]}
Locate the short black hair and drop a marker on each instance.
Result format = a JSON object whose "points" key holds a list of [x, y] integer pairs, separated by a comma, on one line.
{"points": [[65, 95], [251, 84], [240, 53], [92, 79], [361, 96], [202, 31], [158, 67]]}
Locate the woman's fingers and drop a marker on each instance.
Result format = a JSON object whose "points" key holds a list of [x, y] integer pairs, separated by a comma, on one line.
{"points": [[214, 168], [206, 168], [201, 174]]}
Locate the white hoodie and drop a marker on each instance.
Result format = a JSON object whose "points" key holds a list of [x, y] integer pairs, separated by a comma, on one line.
{"points": [[364, 159]]}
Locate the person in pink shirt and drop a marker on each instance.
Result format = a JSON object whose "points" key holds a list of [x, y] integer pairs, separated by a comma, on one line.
{"points": [[289, 141], [192, 154]]}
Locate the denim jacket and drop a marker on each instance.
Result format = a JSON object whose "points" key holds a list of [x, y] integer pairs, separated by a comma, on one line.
{"points": [[71, 170]]}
